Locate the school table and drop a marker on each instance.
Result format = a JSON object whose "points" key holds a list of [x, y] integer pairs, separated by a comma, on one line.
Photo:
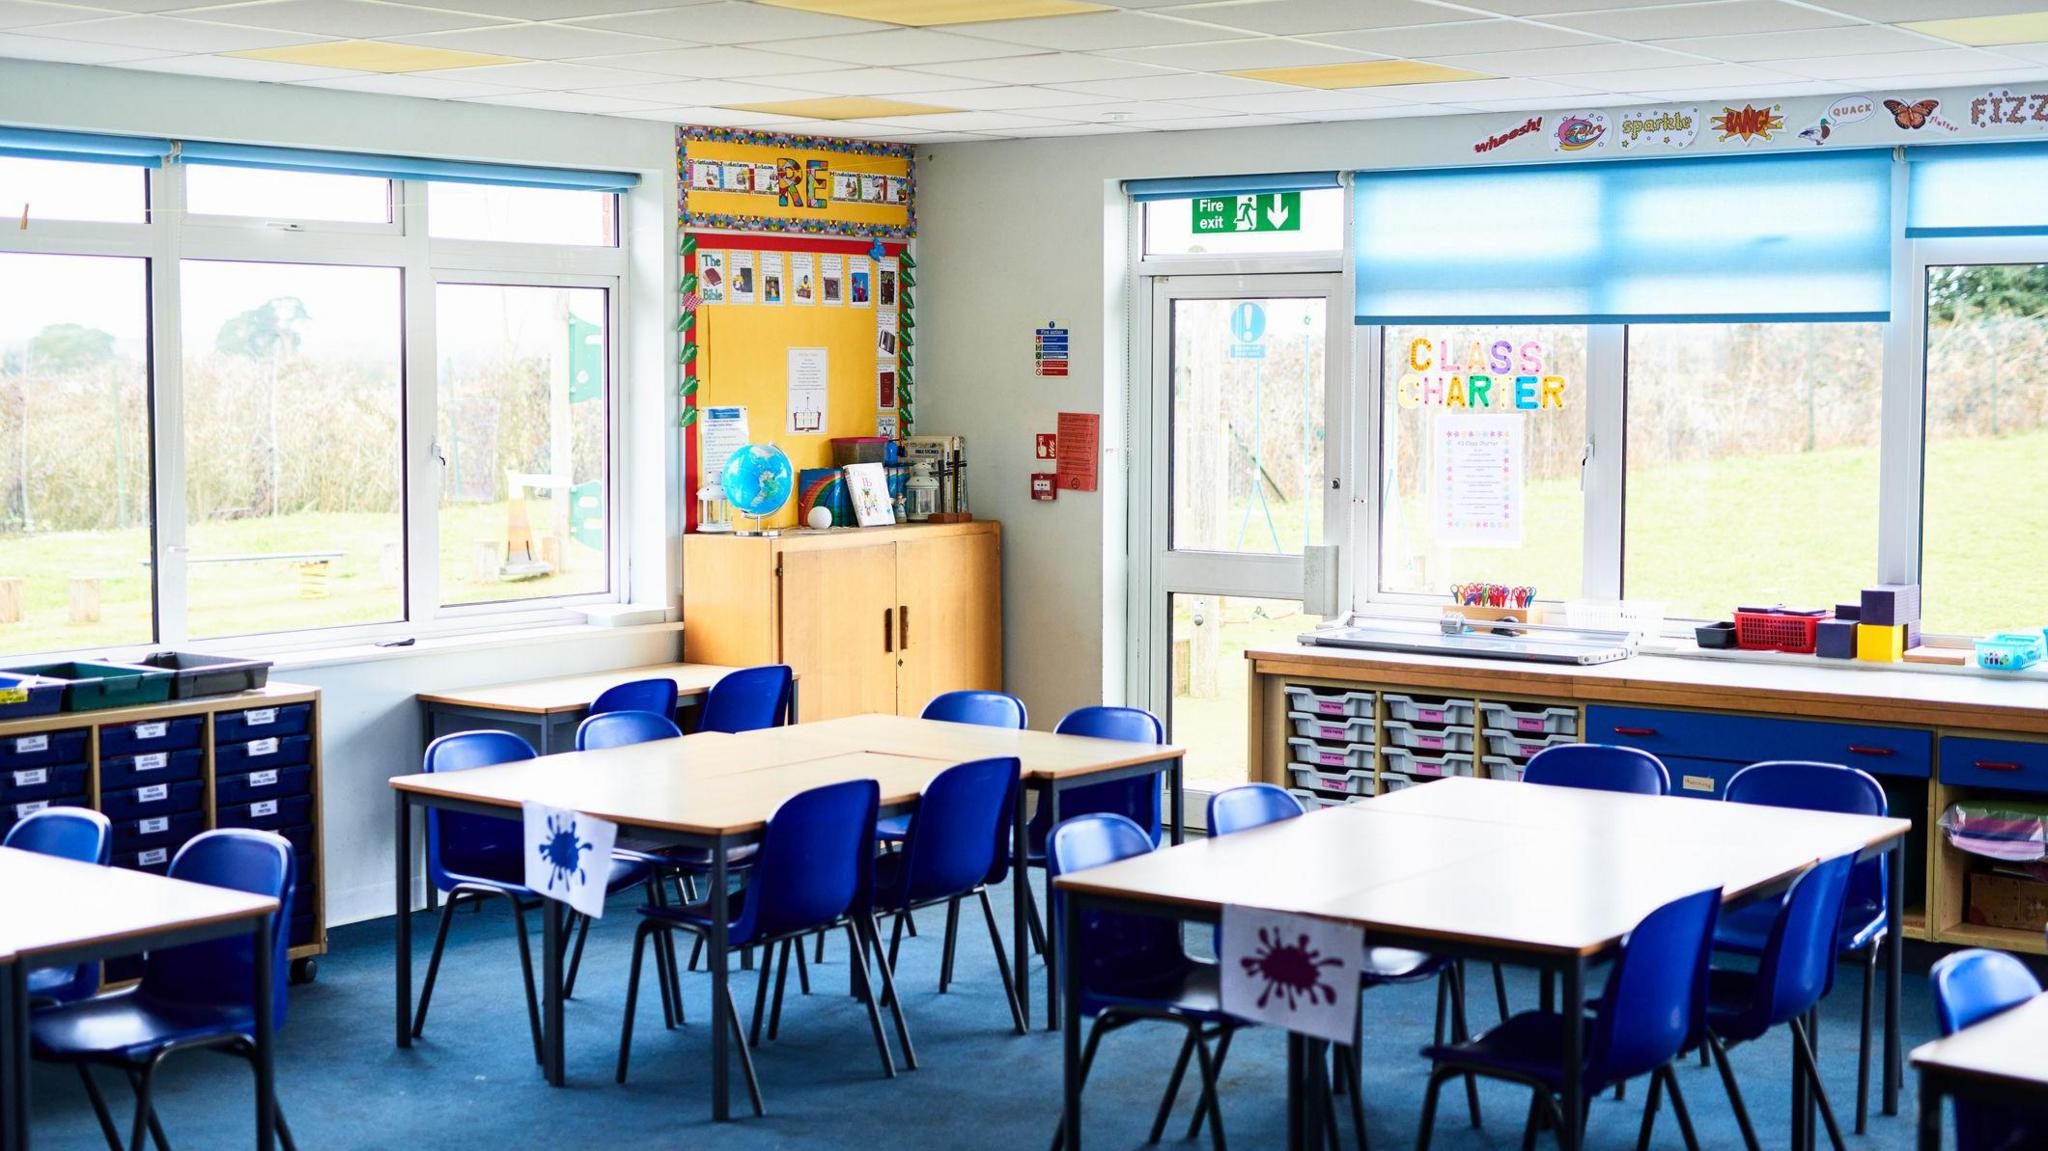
{"points": [[2002, 1060], [61, 912], [716, 791], [555, 706], [1542, 877]]}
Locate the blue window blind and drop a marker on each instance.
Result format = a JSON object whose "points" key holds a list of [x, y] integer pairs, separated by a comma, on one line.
{"points": [[1667, 241], [402, 167], [1187, 188], [86, 147], [1977, 190]]}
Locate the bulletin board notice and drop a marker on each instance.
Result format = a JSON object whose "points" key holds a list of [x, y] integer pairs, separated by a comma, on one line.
{"points": [[1080, 450]]}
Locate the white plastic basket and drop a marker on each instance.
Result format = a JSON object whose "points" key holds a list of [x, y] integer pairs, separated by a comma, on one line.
{"points": [[1417, 765], [1312, 801], [1419, 737], [1524, 746], [1334, 730], [1329, 701], [1332, 783], [1394, 781], [1503, 768], [1429, 709], [1530, 718], [1638, 617], [1323, 756]]}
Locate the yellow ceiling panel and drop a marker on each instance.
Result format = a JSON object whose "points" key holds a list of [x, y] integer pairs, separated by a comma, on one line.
{"points": [[2017, 28], [927, 13], [1364, 74], [374, 56], [840, 108]]}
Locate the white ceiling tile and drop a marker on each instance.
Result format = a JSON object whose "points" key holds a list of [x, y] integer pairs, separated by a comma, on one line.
{"points": [[733, 23], [1238, 55], [1890, 11], [569, 102], [354, 19], [1931, 62], [963, 121], [422, 87], [540, 41], [1129, 112], [1392, 112], [683, 93], [1295, 101], [1854, 40], [28, 13], [1545, 7], [1917, 82], [140, 5], [1072, 130], [1174, 86], [18, 47], [1043, 68], [873, 82], [236, 68], [898, 47], [170, 34], [557, 9], [1744, 92], [1558, 61], [1715, 19], [1445, 39], [1306, 17], [2037, 53], [1683, 76], [1507, 88], [864, 131], [546, 76], [730, 118], [959, 137], [1004, 98], [1524, 104], [1097, 30], [1208, 123], [714, 63]]}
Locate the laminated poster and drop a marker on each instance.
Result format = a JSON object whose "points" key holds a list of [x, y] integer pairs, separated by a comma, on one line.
{"points": [[711, 277], [860, 282], [885, 283], [740, 275], [725, 432], [772, 283], [832, 280], [1476, 481], [803, 277], [809, 374]]}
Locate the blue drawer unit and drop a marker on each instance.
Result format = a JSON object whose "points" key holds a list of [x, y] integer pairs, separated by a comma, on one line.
{"points": [[267, 814], [255, 754], [155, 860], [301, 839], [21, 784], [157, 830], [153, 799], [270, 783], [124, 771], [13, 813], [261, 722], [42, 748], [2002, 763], [1749, 739], [151, 736]]}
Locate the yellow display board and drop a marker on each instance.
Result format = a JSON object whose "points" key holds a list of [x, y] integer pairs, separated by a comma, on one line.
{"points": [[737, 180]]}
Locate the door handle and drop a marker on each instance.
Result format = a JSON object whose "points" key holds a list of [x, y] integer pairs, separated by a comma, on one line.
{"points": [[902, 627], [888, 634]]}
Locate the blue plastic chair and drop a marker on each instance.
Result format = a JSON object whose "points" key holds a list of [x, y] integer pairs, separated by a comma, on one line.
{"points": [[750, 699], [626, 726], [1821, 787], [197, 995], [1599, 767], [73, 833], [981, 708], [1250, 805], [1970, 987], [956, 843], [1136, 799], [1646, 1016], [1792, 973], [1133, 967], [815, 871], [657, 695], [477, 857]]}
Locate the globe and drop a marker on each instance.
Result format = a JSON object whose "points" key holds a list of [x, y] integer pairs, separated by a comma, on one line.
{"points": [[758, 480]]}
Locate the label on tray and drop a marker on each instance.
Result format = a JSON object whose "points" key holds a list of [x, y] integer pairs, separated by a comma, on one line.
{"points": [[1330, 706], [1696, 782], [1431, 715], [153, 761], [156, 730], [154, 793], [28, 743], [257, 717], [13, 695], [263, 778], [263, 808], [157, 826], [1433, 741], [263, 746], [1528, 723], [152, 857], [32, 778], [24, 810]]}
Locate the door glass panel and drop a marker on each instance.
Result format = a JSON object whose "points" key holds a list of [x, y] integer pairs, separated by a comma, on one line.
{"points": [[1208, 680], [1248, 424]]}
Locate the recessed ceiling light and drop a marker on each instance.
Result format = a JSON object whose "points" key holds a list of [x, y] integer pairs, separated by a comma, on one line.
{"points": [[1116, 117]]}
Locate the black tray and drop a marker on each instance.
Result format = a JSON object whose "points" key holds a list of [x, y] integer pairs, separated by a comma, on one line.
{"points": [[200, 675]]}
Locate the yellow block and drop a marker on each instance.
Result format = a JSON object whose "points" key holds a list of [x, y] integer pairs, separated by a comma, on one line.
{"points": [[1881, 642]]}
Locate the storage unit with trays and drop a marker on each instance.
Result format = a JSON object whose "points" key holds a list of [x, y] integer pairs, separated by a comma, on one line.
{"points": [[1342, 742], [1990, 884], [1331, 744], [163, 772], [1510, 732]]}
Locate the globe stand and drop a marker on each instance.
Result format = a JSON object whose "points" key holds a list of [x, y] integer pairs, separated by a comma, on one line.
{"points": [[769, 534]]}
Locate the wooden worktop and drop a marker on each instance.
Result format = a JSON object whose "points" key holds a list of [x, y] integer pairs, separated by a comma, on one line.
{"points": [[1819, 689]]}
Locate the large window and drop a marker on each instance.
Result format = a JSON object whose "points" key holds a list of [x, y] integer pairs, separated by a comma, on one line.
{"points": [[269, 195], [35, 190], [522, 215]]}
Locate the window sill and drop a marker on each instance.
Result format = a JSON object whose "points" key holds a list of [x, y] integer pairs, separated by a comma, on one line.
{"points": [[288, 662], [1687, 649]]}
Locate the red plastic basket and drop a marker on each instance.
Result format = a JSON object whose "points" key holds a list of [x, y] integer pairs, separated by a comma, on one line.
{"points": [[1770, 631]]}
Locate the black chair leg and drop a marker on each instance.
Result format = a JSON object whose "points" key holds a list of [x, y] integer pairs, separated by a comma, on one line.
{"points": [[952, 937], [1353, 1084], [632, 996], [995, 939], [526, 973], [99, 1108], [1206, 1105], [1678, 1109], [576, 957], [1536, 1120], [820, 956], [419, 1016], [1427, 1130], [781, 978], [1811, 1065], [145, 1110], [284, 1130], [803, 968], [1180, 1069], [1863, 1043], [761, 993], [1462, 1031], [1500, 991], [1031, 919], [739, 1041], [866, 992], [1720, 1055], [1059, 1131], [1649, 1113], [888, 968]]}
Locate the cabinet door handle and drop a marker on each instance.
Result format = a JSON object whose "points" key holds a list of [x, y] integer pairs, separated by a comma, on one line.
{"points": [[1996, 765], [1635, 731], [1858, 749], [888, 632], [903, 627]]}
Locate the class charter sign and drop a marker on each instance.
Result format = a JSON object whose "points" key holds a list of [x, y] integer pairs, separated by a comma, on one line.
{"points": [[569, 856], [1292, 971]]}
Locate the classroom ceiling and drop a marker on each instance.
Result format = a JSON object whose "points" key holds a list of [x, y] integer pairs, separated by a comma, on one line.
{"points": [[950, 70]]}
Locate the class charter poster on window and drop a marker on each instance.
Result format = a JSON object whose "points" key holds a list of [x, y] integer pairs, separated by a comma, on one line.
{"points": [[1476, 481]]}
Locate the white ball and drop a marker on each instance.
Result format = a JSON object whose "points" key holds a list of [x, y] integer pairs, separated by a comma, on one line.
{"points": [[820, 518]]}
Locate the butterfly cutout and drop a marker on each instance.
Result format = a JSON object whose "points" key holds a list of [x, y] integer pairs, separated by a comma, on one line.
{"points": [[1913, 116]]}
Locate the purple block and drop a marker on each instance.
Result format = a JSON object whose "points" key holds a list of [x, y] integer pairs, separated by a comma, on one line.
{"points": [[1890, 604], [1835, 639], [1912, 634], [1849, 611]]}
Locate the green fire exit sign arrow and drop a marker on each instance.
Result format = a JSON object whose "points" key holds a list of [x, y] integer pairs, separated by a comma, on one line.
{"points": [[1266, 212]]}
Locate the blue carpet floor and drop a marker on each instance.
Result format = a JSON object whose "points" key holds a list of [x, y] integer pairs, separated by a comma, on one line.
{"points": [[471, 1082]]}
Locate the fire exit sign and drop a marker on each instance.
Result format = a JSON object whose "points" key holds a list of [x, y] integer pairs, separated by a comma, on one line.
{"points": [[1266, 212]]}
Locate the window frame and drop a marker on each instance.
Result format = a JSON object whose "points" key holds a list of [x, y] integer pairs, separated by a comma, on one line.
{"points": [[393, 223]]}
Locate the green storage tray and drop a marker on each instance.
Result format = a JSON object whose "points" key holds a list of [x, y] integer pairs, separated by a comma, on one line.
{"points": [[93, 686]]}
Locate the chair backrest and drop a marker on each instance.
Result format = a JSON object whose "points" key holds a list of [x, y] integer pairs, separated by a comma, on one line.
{"points": [[1972, 986], [960, 822], [657, 695], [816, 862], [1822, 787], [1250, 805], [459, 843], [1599, 767], [222, 972], [1798, 961], [1136, 798], [983, 708], [1121, 951], [748, 699], [74, 833], [619, 728], [1655, 995]]}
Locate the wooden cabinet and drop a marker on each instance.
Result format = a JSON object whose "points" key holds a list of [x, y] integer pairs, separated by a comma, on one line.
{"points": [[872, 619]]}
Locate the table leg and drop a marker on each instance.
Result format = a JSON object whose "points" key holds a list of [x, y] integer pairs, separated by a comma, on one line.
{"points": [[14, 1056], [1070, 1042], [1020, 938], [1573, 1129], [1895, 970], [1178, 799], [401, 959], [1802, 1113], [430, 721], [1930, 1115], [792, 701], [1052, 922], [266, 1070], [551, 997], [1298, 1119], [547, 734], [721, 1106]]}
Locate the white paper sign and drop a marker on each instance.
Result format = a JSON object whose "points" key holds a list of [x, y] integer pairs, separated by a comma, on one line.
{"points": [[741, 277], [569, 856], [1476, 481], [725, 432], [711, 277], [1292, 972], [803, 278], [809, 373]]}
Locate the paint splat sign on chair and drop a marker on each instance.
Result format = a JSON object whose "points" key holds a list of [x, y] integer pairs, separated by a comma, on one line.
{"points": [[568, 856], [1291, 971]]}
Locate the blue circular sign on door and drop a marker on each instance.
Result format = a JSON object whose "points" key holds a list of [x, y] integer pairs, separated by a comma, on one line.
{"points": [[1247, 323]]}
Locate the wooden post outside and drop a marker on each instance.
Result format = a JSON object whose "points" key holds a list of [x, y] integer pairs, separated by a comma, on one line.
{"points": [[11, 588], [85, 599]]}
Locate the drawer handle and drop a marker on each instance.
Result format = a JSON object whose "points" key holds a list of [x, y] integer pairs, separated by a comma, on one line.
{"points": [[1859, 749], [1996, 765], [1635, 731]]}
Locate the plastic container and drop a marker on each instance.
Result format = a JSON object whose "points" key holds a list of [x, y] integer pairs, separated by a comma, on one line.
{"points": [[1502, 768], [38, 748], [200, 675], [1350, 756], [2010, 651], [261, 722], [1420, 737], [270, 783], [2012, 831], [1391, 782], [289, 811], [1340, 783], [28, 696], [157, 830], [1530, 718], [1636, 616], [151, 735], [148, 767], [50, 781], [1310, 801], [155, 799], [1771, 630], [1413, 765], [1429, 709], [1523, 746], [1334, 730], [1716, 635], [90, 685], [251, 755], [1328, 701]]}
